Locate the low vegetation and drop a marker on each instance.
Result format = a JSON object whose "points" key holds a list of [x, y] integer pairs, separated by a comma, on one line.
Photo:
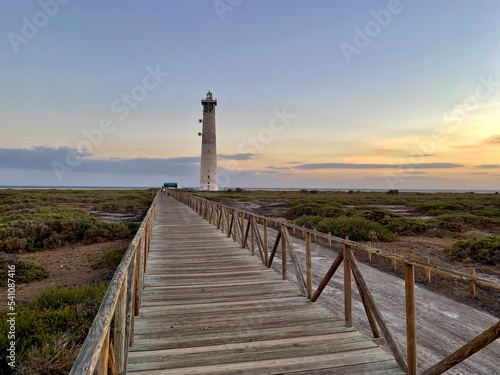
{"points": [[368, 215], [484, 250], [357, 228], [34, 220], [110, 260], [26, 271], [51, 329]]}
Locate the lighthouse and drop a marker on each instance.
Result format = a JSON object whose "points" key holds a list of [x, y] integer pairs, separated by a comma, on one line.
{"points": [[208, 169]]}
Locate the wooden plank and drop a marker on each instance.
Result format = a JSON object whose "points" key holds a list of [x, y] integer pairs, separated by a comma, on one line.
{"points": [[255, 351], [347, 358], [383, 367], [281, 343], [237, 336]]}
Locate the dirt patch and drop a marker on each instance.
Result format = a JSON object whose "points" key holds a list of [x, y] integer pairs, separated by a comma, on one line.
{"points": [[68, 266], [397, 209]]}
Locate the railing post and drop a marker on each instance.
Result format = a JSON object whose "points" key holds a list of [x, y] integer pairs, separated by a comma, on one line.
{"points": [[120, 327], [347, 286], [265, 249], [411, 325], [219, 217], [102, 367], [427, 271], [283, 253], [241, 222], [308, 266], [252, 237], [472, 287]]}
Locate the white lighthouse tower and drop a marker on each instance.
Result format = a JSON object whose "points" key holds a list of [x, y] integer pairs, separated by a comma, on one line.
{"points": [[208, 169]]}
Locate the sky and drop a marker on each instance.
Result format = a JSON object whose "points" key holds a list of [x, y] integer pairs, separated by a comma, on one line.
{"points": [[335, 94]]}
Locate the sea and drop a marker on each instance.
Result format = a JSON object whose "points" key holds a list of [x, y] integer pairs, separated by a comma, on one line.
{"points": [[249, 189]]}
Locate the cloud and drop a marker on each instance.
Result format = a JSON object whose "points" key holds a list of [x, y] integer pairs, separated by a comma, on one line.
{"points": [[377, 166], [495, 140], [467, 146], [37, 157], [277, 168], [236, 156], [478, 173], [488, 166], [44, 158]]}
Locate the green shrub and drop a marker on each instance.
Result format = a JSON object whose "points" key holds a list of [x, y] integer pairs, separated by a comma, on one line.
{"points": [[132, 226], [309, 221], [301, 208], [312, 208], [485, 250], [371, 213], [458, 222], [407, 225], [357, 228], [491, 212], [330, 211], [26, 271], [111, 259], [33, 220], [50, 330]]}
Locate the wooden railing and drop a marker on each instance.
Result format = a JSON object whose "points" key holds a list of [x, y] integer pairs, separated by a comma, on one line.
{"points": [[103, 352], [245, 228]]}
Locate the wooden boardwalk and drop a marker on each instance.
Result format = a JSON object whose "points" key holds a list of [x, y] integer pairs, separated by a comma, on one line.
{"points": [[209, 307]]}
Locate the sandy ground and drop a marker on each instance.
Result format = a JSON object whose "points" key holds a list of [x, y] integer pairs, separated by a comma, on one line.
{"points": [[68, 266]]}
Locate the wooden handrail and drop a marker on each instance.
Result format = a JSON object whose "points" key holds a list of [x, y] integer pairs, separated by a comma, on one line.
{"points": [[479, 342], [346, 256], [99, 352], [353, 265]]}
